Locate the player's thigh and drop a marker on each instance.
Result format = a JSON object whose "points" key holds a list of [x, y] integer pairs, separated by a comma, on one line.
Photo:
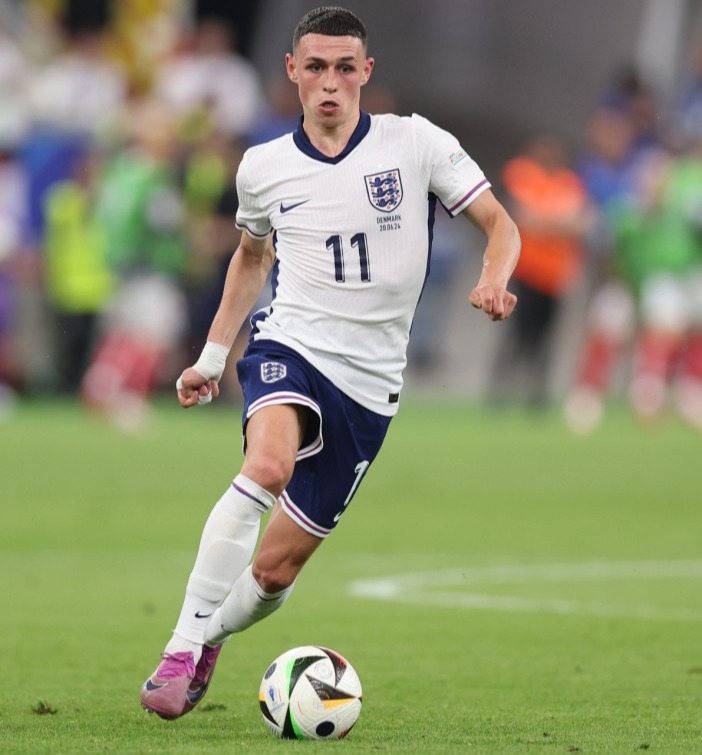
{"points": [[284, 549], [273, 437]]}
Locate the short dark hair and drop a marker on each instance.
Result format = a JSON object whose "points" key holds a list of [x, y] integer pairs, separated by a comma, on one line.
{"points": [[331, 21]]}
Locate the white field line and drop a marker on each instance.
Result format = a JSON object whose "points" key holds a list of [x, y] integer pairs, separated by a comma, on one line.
{"points": [[428, 588]]}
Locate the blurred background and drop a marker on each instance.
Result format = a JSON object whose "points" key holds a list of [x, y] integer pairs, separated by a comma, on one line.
{"points": [[122, 124]]}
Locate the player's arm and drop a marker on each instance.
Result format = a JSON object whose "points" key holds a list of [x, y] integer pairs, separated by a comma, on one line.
{"points": [[501, 255], [245, 279]]}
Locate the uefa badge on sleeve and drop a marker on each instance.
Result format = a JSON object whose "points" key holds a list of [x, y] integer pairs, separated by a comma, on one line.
{"points": [[271, 372]]}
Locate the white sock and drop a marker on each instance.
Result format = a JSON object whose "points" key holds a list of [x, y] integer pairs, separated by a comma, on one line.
{"points": [[178, 644], [228, 542], [245, 605]]}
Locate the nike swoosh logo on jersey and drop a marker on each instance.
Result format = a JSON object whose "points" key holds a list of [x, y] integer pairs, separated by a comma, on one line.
{"points": [[284, 209]]}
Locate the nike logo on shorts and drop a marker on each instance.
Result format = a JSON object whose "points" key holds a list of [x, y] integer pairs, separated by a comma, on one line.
{"points": [[199, 615]]}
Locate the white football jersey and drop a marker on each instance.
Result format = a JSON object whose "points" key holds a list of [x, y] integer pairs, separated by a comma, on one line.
{"points": [[352, 235]]}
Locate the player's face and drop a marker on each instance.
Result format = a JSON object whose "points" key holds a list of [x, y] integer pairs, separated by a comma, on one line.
{"points": [[329, 72]]}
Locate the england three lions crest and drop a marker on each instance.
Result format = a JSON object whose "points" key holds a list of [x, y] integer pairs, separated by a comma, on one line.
{"points": [[271, 372], [385, 190]]}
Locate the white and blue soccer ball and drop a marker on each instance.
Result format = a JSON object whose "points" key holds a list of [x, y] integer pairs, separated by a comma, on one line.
{"points": [[310, 692]]}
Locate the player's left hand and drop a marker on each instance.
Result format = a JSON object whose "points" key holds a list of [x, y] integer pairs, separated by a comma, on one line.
{"points": [[497, 303]]}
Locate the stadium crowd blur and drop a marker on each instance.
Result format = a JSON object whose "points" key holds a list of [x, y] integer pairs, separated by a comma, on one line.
{"points": [[120, 135]]}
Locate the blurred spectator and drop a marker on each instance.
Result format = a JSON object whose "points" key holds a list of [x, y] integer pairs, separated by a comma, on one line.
{"points": [[607, 167], [619, 169], [214, 234], [210, 263], [141, 206], [242, 16], [14, 122], [77, 101], [669, 266], [689, 105], [657, 238], [12, 220], [281, 115], [611, 169], [636, 99], [551, 208], [80, 91], [213, 77], [141, 35], [47, 157], [77, 277], [14, 81]]}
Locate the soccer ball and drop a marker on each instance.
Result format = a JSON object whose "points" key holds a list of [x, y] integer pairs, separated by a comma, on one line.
{"points": [[310, 692]]}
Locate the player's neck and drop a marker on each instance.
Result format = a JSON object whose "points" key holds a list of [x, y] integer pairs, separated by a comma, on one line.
{"points": [[330, 140]]}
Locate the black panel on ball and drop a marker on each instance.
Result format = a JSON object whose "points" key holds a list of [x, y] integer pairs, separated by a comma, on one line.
{"points": [[271, 669], [298, 667], [288, 730], [338, 662], [266, 712], [325, 729]]}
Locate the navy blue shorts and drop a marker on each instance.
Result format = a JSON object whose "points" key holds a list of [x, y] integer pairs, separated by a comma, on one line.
{"points": [[342, 439]]}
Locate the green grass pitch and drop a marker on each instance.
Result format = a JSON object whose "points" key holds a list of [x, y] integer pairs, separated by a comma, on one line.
{"points": [[499, 585]]}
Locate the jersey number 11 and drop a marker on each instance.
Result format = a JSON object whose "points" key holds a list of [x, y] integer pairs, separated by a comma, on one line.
{"points": [[359, 240]]}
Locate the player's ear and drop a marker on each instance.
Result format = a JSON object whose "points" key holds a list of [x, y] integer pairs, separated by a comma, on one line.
{"points": [[290, 67], [367, 68]]}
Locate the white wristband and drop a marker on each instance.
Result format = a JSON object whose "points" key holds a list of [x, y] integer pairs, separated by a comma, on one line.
{"points": [[212, 361]]}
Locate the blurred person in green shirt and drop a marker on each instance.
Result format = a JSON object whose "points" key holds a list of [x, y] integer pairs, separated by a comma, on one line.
{"points": [[662, 258], [141, 208]]}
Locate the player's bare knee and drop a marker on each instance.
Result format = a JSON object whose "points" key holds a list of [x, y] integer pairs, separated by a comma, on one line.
{"points": [[269, 471]]}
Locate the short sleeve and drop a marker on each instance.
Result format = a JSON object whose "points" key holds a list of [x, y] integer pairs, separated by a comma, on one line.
{"points": [[454, 177], [250, 217]]}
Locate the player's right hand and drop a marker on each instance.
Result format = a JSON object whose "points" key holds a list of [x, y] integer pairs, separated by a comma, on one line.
{"points": [[193, 389]]}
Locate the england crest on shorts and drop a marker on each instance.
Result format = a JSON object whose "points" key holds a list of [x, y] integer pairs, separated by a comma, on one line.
{"points": [[271, 372], [384, 190]]}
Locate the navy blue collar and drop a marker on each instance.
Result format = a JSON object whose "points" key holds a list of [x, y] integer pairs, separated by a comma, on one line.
{"points": [[305, 145]]}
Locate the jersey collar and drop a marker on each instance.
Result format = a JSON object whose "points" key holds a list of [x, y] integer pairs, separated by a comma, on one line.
{"points": [[305, 145]]}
